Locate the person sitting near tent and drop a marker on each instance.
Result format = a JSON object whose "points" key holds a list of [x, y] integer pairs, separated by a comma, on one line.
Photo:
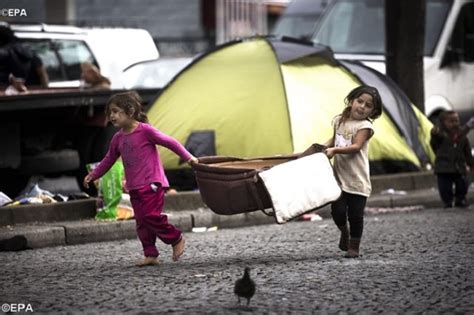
{"points": [[349, 147], [92, 78], [20, 60], [453, 158]]}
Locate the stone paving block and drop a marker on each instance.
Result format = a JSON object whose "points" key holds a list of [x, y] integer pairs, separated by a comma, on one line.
{"points": [[325, 212], [61, 211], [183, 201], [381, 201], [96, 231], [402, 181], [411, 263], [202, 217], [425, 181], [6, 216], [242, 219], [427, 198], [181, 220], [206, 218], [37, 236]]}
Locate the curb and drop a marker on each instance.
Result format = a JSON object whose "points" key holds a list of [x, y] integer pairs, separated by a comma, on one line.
{"points": [[61, 211], [89, 231], [47, 234]]}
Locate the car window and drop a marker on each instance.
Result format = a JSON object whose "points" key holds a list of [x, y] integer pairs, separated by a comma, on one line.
{"points": [[72, 54], [358, 27], [462, 40], [43, 48], [354, 27], [154, 74], [298, 26]]}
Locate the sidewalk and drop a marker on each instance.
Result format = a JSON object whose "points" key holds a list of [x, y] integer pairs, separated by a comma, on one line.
{"points": [[72, 222]]}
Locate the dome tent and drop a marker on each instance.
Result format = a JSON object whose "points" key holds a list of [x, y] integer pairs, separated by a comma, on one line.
{"points": [[268, 96]]}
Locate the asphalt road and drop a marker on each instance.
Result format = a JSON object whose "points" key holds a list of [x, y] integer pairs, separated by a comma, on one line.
{"points": [[421, 261]]}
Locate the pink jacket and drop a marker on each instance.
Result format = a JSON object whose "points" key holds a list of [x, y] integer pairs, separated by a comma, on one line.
{"points": [[140, 156]]}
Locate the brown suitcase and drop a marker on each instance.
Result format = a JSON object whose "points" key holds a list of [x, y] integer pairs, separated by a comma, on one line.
{"points": [[230, 185]]}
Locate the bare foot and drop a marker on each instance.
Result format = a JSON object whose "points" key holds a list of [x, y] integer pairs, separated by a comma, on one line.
{"points": [[148, 261], [178, 249]]}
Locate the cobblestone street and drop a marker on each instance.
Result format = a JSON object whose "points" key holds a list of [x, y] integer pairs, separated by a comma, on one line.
{"points": [[414, 262]]}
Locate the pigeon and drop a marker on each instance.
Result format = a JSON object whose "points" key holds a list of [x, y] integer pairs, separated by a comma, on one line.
{"points": [[245, 287]]}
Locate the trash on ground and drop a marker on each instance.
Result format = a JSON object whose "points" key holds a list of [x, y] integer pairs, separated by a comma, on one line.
{"points": [[311, 217], [25, 201], [392, 191], [4, 199], [110, 189], [200, 229], [377, 210], [37, 191], [65, 185], [124, 208]]}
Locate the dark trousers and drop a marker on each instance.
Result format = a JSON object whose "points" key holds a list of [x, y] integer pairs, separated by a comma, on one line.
{"points": [[350, 206], [447, 181]]}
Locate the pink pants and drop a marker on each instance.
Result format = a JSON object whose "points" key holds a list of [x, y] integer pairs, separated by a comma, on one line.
{"points": [[147, 206]]}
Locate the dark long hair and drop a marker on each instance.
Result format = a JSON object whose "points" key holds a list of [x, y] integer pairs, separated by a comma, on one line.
{"points": [[443, 116], [130, 103], [355, 93]]}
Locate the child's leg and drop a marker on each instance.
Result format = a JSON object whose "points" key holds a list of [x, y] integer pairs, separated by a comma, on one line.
{"points": [[148, 240], [355, 212], [339, 215], [445, 187], [339, 210], [356, 206], [146, 237], [157, 223], [178, 249], [461, 183], [147, 261]]}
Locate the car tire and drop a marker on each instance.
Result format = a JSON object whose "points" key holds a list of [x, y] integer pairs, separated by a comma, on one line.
{"points": [[48, 162]]}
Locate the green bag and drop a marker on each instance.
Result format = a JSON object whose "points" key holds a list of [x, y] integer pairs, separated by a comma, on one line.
{"points": [[110, 190]]}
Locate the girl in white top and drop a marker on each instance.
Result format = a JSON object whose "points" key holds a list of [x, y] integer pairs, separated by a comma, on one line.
{"points": [[349, 147]]}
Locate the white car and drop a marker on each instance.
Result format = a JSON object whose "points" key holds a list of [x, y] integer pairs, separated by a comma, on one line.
{"points": [[63, 48], [354, 29], [153, 73]]}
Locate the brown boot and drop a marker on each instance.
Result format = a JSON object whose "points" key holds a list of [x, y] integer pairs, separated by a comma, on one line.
{"points": [[344, 239], [353, 251]]}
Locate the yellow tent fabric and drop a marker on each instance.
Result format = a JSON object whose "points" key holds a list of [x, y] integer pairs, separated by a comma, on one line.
{"points": [[258, 106], [314, 99], [236, 91]]}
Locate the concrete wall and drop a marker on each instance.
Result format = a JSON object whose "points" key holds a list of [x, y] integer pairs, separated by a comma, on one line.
{"points": [[34, 9], [174, 24]]}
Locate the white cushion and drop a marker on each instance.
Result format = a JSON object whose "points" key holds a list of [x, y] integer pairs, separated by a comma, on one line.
{"points": [[300, 185]]}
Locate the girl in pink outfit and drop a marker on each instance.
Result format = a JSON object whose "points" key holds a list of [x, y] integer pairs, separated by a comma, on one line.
{"points": [[145, 178]]}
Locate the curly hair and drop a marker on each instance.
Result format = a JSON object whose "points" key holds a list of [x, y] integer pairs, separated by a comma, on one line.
{"points": [[130, 103]]}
